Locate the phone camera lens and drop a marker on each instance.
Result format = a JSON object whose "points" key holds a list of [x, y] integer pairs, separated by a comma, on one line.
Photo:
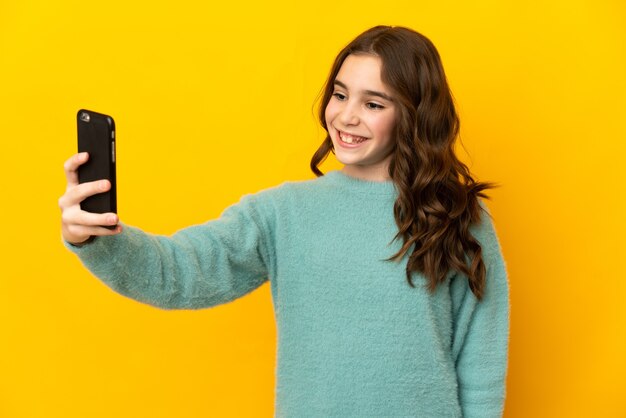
{"points": [[84, 117]]}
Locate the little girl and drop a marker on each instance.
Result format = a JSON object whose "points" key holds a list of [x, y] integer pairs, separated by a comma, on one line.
{"points": [[389, 288]]}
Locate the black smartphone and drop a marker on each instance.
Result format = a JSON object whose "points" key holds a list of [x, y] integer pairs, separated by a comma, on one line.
{"points": [[96, 135]]}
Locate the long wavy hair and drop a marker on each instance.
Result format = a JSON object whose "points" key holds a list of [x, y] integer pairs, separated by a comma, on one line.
{"points": [[438, 199]]}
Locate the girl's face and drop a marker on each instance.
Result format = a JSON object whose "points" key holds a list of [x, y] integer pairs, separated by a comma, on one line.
{"points": [[360, 117]]}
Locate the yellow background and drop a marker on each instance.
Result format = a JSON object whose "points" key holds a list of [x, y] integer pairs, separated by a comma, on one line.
{"points": [[214, 101]]}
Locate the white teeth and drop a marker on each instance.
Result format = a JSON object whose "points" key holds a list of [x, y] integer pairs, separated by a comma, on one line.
{"points": [[350, 139]]}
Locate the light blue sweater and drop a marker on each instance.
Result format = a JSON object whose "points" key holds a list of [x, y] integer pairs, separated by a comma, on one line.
{"points": [[354, 339]]}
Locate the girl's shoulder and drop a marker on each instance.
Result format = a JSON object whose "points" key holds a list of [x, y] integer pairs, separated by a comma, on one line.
{"points": [[287, 189], [268, 200], [334, 184]]}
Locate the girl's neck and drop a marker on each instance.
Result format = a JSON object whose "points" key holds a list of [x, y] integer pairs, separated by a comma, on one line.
{"points": [[377, 174]]}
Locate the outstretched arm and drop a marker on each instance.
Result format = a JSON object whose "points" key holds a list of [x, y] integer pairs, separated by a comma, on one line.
{"points": [[197, 267]]}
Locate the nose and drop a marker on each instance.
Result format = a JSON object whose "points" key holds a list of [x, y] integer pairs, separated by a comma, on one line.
{"points": [[349, 115]]}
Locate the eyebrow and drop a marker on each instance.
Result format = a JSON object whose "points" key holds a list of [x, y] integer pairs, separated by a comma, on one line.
{"points": [[367, 92]]}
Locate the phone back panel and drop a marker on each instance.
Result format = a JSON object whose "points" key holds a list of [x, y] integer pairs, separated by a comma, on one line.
{"points": [[96, 135]]}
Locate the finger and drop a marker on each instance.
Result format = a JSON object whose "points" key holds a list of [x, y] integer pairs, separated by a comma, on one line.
{"points": [[101, 231], [77, 193], [71, 167], [87, 231], [80, 217]]}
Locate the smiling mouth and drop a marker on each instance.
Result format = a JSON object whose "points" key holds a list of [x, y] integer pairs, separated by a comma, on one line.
{"points": [[350, 139]]}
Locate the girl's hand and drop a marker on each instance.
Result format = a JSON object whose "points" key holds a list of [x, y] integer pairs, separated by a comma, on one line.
{"points": [[77, 226]]}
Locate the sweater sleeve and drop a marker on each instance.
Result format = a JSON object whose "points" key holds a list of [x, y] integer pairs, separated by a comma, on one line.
{"points": [[481, 332], [199, 266]]}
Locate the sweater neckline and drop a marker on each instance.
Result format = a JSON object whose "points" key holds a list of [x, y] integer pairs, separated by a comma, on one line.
{"points": [[365, 186]]}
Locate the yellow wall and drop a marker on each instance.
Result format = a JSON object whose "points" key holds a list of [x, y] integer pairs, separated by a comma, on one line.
{"points": [[215, 101]]}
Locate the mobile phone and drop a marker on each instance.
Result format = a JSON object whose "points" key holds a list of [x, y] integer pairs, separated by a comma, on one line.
{"points": [[96, 135]]}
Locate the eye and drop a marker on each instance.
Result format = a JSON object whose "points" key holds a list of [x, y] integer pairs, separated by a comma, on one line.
{"points": [[374, 106], [339, 96]]}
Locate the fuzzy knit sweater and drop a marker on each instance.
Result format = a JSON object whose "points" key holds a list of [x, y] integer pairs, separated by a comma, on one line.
{"points": [[354, 339]]}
